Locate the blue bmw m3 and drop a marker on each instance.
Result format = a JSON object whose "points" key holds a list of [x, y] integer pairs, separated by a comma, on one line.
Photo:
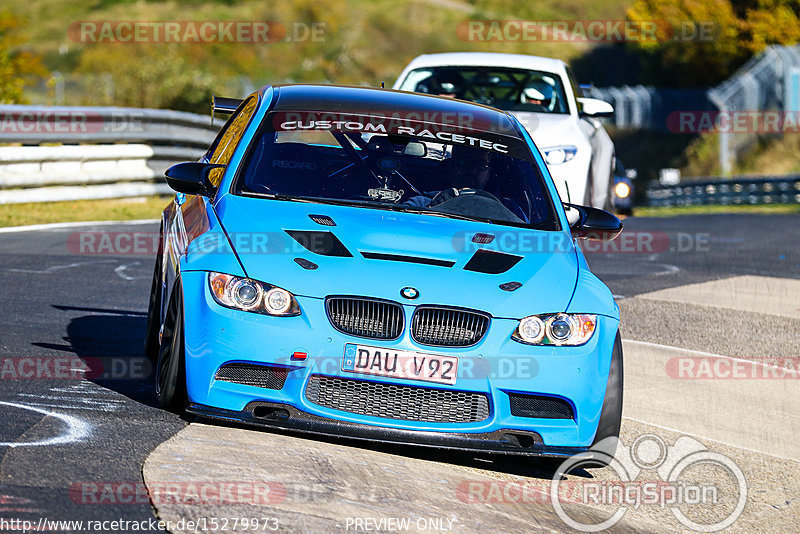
{"points": [[386, 266]]}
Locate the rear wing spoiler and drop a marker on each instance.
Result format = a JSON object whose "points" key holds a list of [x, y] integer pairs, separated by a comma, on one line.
{"points": [[221, 104]]}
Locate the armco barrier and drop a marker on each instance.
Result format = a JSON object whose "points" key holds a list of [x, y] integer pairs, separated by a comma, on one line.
{"points": [[70, 153], [731, 191]]}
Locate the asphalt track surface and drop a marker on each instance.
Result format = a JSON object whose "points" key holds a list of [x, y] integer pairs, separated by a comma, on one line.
{"points": [[61, 435]]}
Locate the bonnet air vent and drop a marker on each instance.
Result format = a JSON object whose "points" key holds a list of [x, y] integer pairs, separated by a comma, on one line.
{"points": [[305, 264], [324, 220], [482, 238], [489, 262], [322, 243], [407, 259], [509, 286]]}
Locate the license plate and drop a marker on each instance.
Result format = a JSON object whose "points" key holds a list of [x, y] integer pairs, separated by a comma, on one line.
{"points": [[399, 364]]}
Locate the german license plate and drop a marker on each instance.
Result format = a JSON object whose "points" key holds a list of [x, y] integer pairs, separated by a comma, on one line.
{"points": [[399, 364]]}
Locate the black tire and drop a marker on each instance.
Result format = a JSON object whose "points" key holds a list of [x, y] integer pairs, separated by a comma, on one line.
{"points": [[170, 372], [611, 414], [151, 341]]}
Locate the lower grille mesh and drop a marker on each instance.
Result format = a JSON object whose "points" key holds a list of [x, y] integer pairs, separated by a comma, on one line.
{"points": [[538, 406], [394, 401], [260, 376]]}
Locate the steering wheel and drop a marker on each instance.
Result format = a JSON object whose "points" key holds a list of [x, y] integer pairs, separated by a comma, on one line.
{"points": [[452, 192]]}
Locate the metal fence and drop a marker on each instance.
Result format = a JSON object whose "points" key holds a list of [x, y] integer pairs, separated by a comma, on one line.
{"points": [[649, 108], [767, 82], [740, 190], [67, 153]]}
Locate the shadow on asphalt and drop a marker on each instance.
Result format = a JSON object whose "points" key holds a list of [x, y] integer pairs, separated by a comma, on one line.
{"points": [[110, 343]]}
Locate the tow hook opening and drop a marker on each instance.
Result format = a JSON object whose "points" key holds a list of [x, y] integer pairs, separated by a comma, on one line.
{"points": [[519, 439], [270, 413]]}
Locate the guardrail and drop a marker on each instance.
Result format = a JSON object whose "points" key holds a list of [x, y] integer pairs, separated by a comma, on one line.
{"points": [[731, 191], [70, 153]]}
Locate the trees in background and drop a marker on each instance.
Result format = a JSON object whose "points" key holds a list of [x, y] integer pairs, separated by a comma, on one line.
{"points": [[701, 43], [18, 67]]}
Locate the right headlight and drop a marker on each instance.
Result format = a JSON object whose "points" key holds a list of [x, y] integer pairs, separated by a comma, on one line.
{"points": [[556, 329], [556, 155], [251, 295]]}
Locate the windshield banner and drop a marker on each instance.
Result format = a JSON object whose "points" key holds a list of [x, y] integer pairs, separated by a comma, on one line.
{"points": [[420, 127]]}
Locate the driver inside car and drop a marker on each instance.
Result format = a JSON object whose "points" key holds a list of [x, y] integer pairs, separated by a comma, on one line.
{"points": [[470, 172], [470, 169]]}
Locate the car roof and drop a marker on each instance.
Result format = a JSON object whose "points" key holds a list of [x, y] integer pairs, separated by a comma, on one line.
{"points": [[371, 101], [488, 59]]}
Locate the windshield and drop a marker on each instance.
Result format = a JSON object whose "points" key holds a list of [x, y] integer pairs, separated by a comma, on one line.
{"points": [[414, 173], [503, 88]]}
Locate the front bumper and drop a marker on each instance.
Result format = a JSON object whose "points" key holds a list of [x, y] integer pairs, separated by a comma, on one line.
{"points": [[215, 336], [287, 417]]}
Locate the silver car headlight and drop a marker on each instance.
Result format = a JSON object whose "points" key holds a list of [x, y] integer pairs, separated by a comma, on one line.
{"points": [[251, 295], [556, 155], [556, 329]]}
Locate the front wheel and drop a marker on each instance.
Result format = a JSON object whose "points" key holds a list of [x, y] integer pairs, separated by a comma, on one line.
{"points": [[607, 436], [170, 369]]}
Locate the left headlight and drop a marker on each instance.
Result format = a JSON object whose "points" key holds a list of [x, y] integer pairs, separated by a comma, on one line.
{"points": [[556, 155], [622, 190], [251, 295], [556, 329]]}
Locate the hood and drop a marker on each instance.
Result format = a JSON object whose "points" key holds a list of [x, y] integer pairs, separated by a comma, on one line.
{"points": [[549, 129], [376, 253]]}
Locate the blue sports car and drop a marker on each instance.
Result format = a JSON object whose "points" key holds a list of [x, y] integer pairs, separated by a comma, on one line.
{"points": [[386, 266]]}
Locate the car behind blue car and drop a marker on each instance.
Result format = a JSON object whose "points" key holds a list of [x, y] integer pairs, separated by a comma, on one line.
{"points": [[386, 266]]}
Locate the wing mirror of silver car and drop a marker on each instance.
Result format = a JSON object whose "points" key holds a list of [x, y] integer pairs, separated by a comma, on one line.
{"points": [[592, 107]]}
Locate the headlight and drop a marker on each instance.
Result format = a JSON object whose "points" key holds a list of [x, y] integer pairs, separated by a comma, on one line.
{"points": [[556, 155], [622, 190], [250, 295], [557, 329]]}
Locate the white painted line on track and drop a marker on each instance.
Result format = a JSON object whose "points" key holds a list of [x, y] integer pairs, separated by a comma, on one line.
{"points": [[54, 268], [706, 438], [77, 224], [745, 412], [77, 429], [702, 353]]}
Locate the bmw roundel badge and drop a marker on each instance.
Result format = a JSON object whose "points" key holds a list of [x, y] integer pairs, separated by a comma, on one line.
{"points": [[409, 292]]}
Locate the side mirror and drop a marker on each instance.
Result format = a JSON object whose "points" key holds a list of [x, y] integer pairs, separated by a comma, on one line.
{"points": [[593, 223], [191, 177], [592, 107]]}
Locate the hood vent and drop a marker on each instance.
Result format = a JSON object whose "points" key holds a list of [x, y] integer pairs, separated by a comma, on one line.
{"points": [[324, 220], [305, 264], [508, 286], [482, 239], [490, 262], [322, 243], [407, 259]]}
